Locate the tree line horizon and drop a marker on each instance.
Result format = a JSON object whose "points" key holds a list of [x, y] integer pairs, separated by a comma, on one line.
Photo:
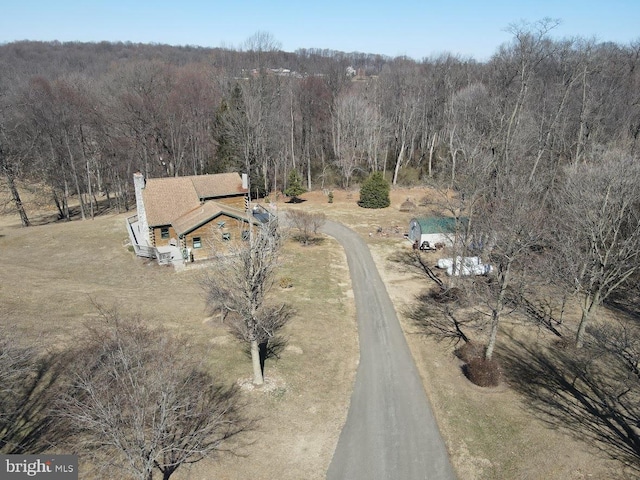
{"points": [[80, 118]]}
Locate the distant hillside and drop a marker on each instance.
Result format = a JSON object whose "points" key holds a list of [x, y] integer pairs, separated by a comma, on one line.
{"points": [[56, 58]]}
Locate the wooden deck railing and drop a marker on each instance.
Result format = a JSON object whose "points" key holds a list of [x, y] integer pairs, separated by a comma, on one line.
{"points": [[146, 251]]}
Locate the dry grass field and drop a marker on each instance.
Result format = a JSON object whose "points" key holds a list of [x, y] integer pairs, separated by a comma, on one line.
{"points": [[54, 274]]}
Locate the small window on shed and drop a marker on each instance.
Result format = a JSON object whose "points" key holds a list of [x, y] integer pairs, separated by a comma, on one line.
{"points": [[197, 242], [164, 232], [226, 236]]}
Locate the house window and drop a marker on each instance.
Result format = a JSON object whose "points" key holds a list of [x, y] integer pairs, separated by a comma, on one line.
{"points": [[164, 232], [197, 242], [226, 236]]}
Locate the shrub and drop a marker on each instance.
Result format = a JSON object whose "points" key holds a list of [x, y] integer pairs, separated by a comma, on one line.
{"points": [[306, 223], [330, 196], [483, 372], [374, 192], [286, 282]]}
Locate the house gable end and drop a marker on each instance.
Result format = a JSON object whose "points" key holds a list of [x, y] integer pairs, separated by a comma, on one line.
{"points": [[205, 214]]}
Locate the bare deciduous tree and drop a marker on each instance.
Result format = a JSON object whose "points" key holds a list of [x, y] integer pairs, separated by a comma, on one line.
{"points": [[238, 283], [12, 147], [354, 122], [139, 401], [598, 237], [508, 231], [530, 46], [306, 223], [9, 166], [260, 44]]}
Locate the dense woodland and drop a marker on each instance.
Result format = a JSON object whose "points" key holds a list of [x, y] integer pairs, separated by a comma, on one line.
{"points": [[81, 118]]}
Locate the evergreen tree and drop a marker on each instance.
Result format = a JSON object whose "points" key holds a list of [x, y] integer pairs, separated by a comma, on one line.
{"points": [[230, 127], [257, 184], [374, 192], [294, 186]]}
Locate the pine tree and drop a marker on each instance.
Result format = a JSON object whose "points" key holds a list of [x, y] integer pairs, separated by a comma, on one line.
{"points": [[230, 123], [294, 186], [374, 192]]}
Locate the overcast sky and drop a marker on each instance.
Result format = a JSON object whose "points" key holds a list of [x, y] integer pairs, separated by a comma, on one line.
{"points": [[418, 29]]}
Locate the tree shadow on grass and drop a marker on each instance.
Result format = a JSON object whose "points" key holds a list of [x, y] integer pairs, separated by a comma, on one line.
{"points": [[418, 262], [627, 301], [28, 424], [585, 394], [101, 207], [308, 241], [271, 349]]}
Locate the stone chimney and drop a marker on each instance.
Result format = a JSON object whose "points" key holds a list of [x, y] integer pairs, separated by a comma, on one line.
{"points": [[139, 183]]}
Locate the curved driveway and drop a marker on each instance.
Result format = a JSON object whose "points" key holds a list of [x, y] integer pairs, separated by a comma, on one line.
{"points": [[390, 432]]}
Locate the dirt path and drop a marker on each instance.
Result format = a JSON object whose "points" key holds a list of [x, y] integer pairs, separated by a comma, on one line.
{"points": [[390, 431]]}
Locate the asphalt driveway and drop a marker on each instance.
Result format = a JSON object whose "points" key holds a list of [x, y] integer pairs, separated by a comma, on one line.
{"points": [[390, 432]]}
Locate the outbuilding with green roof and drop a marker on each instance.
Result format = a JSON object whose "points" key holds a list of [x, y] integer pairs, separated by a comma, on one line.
{"points": [[433, 230]]}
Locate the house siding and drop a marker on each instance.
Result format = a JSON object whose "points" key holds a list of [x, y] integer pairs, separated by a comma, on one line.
{"points": [[157, 235], [235, 202], [211, 236]]}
